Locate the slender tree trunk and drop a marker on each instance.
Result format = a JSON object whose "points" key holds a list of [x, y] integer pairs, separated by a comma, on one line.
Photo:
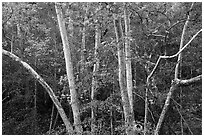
{"points": [[47, 88], [128, 57], [12, 42], [83, 47], [35, 101], [94, 78], [111, 120], [174, 83], [56, 118], [55, 81], [165, 108], [51, 118], [28, 93], [20, 36], [69, 69], [146, 102], [121, 66]]}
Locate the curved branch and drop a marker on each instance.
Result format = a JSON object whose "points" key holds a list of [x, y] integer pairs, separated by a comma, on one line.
{"points": [[190, 81], [172, 56], [46, 86], [180, 55], [175, 82]]}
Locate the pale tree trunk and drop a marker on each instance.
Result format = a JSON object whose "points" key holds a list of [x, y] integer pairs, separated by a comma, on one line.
{"points": [[94, 78], [67, 123], [83, 49], [51, 119], [121, 69], [12, 42], [128, 57], [55, 80], [83, 46], [35, 101], [175, 81], [146, 101], [69, 69], [20, 35]]}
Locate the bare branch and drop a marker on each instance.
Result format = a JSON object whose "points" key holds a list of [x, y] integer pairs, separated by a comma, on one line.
{"points": [[180, 21], [155, 67], [180, 56], [5, 98], [190, 81], [172, 56], [45, 85], [175, 82]]}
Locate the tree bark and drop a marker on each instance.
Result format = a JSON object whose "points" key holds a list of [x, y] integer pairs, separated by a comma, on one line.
{"points": [[94, 78], [83, 46], [128, 57], [165, 108], [83, 49], [175, 82], [69, 69], [67, 123], [121, 70]]}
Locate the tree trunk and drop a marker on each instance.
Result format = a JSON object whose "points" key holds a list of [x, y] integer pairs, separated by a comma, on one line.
{"points": [[175, 82], [83, 46], [94, 78], [121, 66], [55, 80], [146, 101], [128, 58], [83, 49], [165, 108], [12, 42], [35, 101], [69, 69], [51, 119], [21, 37], [47, 88]]}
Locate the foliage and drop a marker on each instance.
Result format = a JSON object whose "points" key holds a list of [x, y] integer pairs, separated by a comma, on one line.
{"points": [[155, 30]]}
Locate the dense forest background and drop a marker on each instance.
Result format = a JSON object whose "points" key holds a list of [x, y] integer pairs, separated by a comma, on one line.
{"points": [[31, 31]]}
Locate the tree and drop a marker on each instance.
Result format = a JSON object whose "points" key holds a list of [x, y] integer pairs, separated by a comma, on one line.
{"points": [[95, 71], [83, 46], [128, 56], [145, 37], [46, 86], [121, 70], [176, 82], [69, 68]]}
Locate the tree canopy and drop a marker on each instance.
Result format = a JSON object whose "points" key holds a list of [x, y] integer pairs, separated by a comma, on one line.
{"points": [[31, 33]]}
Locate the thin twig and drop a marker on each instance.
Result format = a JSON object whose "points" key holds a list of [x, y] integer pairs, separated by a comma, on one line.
{"points": [[183, 119], [148, 107]]}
